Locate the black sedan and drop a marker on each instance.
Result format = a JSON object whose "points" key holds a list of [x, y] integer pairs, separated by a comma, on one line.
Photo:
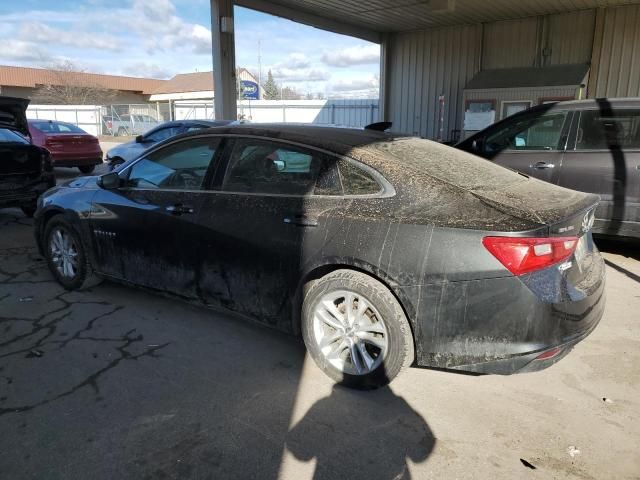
{"points": [[381, 252], [26, 170]]}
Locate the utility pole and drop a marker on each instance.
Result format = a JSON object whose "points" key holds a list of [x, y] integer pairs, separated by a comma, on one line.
{"points": [[259, 70]]}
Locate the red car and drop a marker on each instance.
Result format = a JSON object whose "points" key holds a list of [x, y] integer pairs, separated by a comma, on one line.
{"points": [[68, 145]]}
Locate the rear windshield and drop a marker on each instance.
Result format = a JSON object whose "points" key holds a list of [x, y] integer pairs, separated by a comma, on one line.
{"points": [[56, 127], [9, 136], [449, 164]]}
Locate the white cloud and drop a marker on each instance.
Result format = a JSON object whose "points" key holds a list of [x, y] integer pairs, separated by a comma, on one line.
{"points": [[355, 87], [43, 34], [299, 75], [347, 57], [297, 67], [146, 70], [21, 51], [160, 29]]}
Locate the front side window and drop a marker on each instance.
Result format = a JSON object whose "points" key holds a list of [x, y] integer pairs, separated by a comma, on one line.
{"points": [[618, 129], [162, 134], [181, 166], [262, 166], [531, 132]]}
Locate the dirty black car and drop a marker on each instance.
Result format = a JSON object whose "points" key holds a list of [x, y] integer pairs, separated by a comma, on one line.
{"points": [[26, 170], [382, 252]]}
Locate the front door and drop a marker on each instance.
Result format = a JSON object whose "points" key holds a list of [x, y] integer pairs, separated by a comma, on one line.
{"points": [[606, 160], [267, 209], [146, 231], [532, 144]]}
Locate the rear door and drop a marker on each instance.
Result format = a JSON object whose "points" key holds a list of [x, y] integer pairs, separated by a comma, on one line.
{"points": [[265, 209], [604, 159], [532, 143], [146, 232]]}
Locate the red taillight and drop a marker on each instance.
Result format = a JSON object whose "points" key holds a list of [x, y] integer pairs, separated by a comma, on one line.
{"points": [[524, 255], [549, 353]]}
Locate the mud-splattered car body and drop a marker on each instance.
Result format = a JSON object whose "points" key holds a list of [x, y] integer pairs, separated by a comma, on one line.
{"points": [[419, 230]]}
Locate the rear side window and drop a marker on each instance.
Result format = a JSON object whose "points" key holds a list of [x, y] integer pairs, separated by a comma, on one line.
{"points": [[56, 127], [355, 181], [263, 166], [598, 131]]}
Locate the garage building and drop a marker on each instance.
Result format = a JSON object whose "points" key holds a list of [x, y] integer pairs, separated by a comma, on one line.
{"points": [[439, 55]]}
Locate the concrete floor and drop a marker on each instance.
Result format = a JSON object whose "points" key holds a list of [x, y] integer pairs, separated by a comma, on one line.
{"points": [[119, 383]]}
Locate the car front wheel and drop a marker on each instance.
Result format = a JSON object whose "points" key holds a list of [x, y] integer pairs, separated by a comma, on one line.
{"points": [[355, 330], [66, 256]]}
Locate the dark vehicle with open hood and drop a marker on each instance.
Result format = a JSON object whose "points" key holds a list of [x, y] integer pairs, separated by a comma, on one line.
{"points": [[25, 169], [380, 251]]}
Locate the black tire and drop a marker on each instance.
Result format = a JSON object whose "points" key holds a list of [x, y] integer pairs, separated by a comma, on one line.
{"points": [[87, 168], [29, 210], [84, 276], [115, 162], [400, 347]]}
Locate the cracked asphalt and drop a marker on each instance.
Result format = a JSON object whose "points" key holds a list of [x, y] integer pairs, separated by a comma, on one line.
{"points": [[115, 382]]}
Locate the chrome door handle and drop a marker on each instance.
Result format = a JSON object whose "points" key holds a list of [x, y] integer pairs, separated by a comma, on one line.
{"points": [[542, 165], [179, 209], [301, 221]]}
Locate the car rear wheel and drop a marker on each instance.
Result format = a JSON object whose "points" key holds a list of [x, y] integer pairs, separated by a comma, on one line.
{"points": [[355, 330], [66, 256], [87, 168]]}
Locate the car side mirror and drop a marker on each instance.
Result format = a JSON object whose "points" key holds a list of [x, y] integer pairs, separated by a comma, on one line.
{"points": [[139, 139], [109, 181], [281, 165]]}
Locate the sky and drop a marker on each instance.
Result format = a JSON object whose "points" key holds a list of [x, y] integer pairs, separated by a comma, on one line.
{"points": [[160, 38]]}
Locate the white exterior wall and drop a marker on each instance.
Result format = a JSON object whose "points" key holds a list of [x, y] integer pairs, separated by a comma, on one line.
{"points": [[352, 113], [87, 117]]}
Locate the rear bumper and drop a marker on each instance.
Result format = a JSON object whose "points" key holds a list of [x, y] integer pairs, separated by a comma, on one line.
{"points": [[76, 159], [501, 325]]}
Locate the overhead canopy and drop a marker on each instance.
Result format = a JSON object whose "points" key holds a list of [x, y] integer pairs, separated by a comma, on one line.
{"points": [[555, 76], [367, 18]]}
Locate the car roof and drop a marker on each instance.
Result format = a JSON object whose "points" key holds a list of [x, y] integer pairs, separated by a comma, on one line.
{"points": [[633, 102], [318, 136]]}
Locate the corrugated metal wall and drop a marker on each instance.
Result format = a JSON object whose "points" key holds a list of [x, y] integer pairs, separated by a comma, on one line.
{"points": [[510, 44], [616, 60], [425, 65], [571, 37]]}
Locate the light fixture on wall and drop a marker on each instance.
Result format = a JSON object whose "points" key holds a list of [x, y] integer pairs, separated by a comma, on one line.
{"points": [[226, 24]]}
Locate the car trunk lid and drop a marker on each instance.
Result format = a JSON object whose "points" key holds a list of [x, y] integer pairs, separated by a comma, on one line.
{"points": [[70, 142], [13, 114]]}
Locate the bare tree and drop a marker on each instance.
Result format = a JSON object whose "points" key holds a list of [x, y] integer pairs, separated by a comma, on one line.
{"points": [[69, 87]]}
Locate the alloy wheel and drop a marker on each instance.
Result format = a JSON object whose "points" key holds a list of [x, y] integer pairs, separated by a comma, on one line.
{"points": [[64, 252], [349, 332]]}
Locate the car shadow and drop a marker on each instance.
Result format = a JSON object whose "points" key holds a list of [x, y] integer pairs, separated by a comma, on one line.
{"points": [[353, 434]]}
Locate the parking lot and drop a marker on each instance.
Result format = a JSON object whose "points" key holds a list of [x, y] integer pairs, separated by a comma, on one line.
{"points": [[116, 382]]}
